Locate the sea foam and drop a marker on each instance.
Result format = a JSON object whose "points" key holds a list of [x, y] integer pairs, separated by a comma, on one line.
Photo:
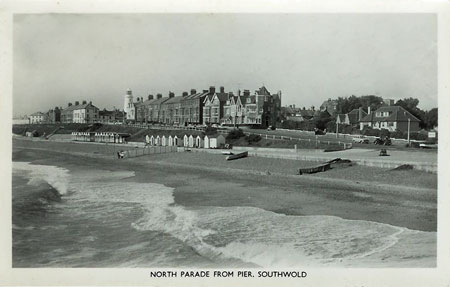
{"points": [[57, 177]]}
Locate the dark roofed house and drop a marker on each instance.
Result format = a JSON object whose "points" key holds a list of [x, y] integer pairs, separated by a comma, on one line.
{"points": [[172, 110], [113, 116], [192, 107], [330, 106], [392, 118], [352, 118]]}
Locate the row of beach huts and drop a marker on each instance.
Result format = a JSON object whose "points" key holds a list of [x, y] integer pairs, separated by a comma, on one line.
{"points": [[188, 141]]}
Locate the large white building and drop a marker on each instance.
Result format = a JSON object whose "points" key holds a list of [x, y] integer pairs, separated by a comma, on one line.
{"points": [[128, 106], [85, 113], [37, 118]]}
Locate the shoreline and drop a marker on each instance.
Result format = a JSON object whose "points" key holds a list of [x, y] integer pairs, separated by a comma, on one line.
{"points": [[413, 207]]}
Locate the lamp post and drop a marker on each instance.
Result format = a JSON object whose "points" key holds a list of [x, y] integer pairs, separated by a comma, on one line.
{"points": [[409, 126], [337, 129]]}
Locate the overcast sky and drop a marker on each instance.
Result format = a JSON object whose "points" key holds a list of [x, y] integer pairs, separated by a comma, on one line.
{"points": [[61, 58]]}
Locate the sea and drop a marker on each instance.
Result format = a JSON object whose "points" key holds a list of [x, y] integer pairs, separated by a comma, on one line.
{"points": [[101, 218]]}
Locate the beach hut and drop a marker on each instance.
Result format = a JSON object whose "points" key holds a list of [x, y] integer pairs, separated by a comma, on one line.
{"points": [[185, 141], [199, 142], [147, 139], [170, 141], [191, 141], [216, 141], [164, 140], [158, 141], [152, 140], [206, 141], [176, 141]]}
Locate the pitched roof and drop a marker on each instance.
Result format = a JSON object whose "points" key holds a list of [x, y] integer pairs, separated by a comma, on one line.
{"points": [[174, 100], [397, 114], [78, 107], [353, 115], [159, 101], [263, 91], [341, 117], [146, 102], [37, 114], [223, 97]]}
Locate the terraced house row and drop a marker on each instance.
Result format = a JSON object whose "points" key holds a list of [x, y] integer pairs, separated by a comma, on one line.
{"points": [[207, 107]]}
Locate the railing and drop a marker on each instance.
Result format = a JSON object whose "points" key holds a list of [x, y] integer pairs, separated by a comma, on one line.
{"points": [[310, 142], [131, 153]]}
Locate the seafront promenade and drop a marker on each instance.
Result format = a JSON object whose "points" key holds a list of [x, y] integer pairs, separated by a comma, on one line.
{"points": [[419, 159], [425, 160]]}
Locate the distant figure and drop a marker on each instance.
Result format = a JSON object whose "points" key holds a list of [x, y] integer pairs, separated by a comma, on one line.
{"points": [[120, 154]]}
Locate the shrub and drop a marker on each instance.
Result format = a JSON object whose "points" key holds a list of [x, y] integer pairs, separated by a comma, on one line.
{"points": [[253, 139], [417, 136], [398, 135], [384, 133], [235, 134], [209, 130]]}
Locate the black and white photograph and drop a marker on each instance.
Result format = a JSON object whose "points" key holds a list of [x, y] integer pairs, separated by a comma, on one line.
{"points": [[225, 145]]}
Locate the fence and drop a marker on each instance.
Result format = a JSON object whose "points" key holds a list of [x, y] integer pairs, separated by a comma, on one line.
{"points": [[147, 151], [315, 143]]}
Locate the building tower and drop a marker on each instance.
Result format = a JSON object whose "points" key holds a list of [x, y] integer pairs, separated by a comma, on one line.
{"points": [[128, 106]]}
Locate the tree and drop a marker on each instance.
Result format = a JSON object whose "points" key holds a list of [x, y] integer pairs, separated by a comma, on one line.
{"points": [[410, 104], [431, 118], [346, 105]]}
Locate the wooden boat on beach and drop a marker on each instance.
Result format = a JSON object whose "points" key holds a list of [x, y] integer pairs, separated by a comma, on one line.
{"points": [[319, 168], [238, 155], [227, 153]]}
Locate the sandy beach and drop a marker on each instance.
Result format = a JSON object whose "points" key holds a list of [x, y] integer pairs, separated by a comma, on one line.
{"points": [[404, 199]]}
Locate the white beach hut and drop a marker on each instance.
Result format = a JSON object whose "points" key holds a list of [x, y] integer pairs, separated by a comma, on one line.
{"points": [[147, 139], [185, 141], [170, 141], [164, 140], [199, 142], [158, 141], [191, 141], [216, 141], [206, 141], [152, 140]]}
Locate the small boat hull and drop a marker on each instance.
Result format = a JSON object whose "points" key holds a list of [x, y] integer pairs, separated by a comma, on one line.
{"points": [[238, 155], [319, 168]]}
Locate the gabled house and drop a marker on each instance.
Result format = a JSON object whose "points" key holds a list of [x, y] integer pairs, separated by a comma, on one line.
{"points": [[213, 106], [330, 106], [392, 118]]}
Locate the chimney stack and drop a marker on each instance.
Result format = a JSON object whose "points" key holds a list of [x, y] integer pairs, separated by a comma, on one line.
{"points": [[185, 94], [77, 103], [212, 90], [193, 91], [150, 97], [359, 113], [368, 110], [158, 96], [222, 89], [84, 102], [128, 92], [205, 91], [246, 92], [171, 94], [90, 102]]}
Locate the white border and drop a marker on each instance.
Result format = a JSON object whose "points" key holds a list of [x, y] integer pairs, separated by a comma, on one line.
{"points": [[439, 276]]}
